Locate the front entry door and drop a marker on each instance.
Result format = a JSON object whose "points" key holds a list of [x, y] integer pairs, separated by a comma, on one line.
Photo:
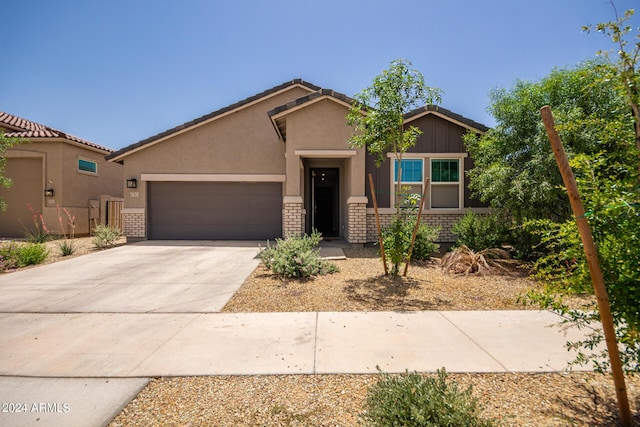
{"points": [[325, 201]]}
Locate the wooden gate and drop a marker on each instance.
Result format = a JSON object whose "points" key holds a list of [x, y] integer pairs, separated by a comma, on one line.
{"points": [[114, 213]]}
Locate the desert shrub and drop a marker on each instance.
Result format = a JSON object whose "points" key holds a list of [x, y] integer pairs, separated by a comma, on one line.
{"points": [[463, 260], [67, 247], [8, 256], [479, 232], [297, 257], [105, 236], [411, 399], [425, 244], [396, 239], [31, 254]]}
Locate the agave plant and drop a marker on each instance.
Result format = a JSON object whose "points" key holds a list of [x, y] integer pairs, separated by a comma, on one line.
{"points": [[463, 260]]}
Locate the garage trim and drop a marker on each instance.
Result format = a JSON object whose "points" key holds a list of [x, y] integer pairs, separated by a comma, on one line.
{"points": [[214, 177]]}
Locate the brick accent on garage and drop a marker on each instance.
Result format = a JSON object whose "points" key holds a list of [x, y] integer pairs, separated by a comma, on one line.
{"points": [[134, 223]]}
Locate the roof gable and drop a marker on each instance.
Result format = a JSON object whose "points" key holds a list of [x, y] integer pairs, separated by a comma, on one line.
{"points": [[120, 154], [278, 114], [17, 127], [447, 115]]}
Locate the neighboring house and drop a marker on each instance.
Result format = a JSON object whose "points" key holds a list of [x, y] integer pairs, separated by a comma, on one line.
{"points": [[278, 163], [51, 172]]}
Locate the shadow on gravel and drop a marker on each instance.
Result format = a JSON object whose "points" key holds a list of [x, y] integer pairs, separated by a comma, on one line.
{"points": [[592, 406], [388, 293]]}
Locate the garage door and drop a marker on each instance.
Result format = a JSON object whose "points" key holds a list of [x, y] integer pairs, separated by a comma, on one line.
{"points": [[26, 190], [214, 210]]}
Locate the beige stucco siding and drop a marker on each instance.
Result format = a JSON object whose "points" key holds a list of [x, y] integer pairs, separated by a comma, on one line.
{"points": [[322, 126], [72, 190], [242, 142]]}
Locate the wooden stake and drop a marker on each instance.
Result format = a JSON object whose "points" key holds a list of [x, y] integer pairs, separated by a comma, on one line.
{"points": [[375, 208], [415, 229], [594, 266]]}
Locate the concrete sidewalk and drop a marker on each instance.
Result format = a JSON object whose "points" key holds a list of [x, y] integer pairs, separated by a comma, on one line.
{"points": [[85, 367], [168, 344]]}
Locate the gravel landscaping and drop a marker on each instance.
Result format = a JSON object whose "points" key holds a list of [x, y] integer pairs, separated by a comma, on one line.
{"points": [[514, 399]]}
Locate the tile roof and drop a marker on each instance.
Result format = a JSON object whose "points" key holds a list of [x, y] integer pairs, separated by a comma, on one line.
{"points": [[212, 115], [17, 127], [314, 95]]}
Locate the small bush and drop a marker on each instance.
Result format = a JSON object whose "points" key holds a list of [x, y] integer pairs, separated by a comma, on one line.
{"points": [[8, 256], [297, 257], [31, 254], [105, 236], [67, 247], [414, 400], [396, 239], [425, 245], [478, 232]]}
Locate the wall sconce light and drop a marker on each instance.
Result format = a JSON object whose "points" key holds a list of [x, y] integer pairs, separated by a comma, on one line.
{"points": [[132, 183], [48, 193]]}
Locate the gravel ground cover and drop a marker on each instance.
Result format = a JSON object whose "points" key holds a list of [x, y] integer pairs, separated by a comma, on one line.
{"points": [[513, 399]]}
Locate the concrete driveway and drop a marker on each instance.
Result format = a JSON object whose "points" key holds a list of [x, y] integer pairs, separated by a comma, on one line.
{"points": [[144, 277]]}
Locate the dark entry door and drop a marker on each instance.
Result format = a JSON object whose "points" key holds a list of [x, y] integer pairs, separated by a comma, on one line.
{"points": [[325, 201]]}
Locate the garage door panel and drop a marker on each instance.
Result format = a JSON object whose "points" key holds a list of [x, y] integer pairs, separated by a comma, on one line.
{"points": [[214, 210]]}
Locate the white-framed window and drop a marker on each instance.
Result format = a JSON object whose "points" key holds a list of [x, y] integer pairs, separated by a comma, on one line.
{"points": [[87, 166], [412, 177], [446, 183], [446, 178]]}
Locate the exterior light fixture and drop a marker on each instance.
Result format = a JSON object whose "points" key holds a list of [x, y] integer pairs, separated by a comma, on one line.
{"points": [[48, 193], [132, 183]]}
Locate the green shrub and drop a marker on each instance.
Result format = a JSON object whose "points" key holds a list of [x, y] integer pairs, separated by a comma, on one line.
{"points": [[105, 236], [479, 232], [425, 245], [8, 256], [396, 239], [31, 254], [297, 257], [67, 247], [414, 400]]}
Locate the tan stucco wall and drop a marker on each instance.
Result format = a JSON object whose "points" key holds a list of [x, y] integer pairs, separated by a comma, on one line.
{"points": [[72, 190], [243, 142], [322, 126]]}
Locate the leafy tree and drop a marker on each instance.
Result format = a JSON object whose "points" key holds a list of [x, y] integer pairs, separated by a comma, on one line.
{"points": [[377, 116], [627, 67], [515, 170], [6, 143]]}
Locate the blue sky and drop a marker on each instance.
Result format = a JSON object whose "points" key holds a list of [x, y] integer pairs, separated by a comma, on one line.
{"points": [[118, 71]]}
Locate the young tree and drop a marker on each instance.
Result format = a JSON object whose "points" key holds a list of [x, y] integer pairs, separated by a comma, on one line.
{"points": [[378, 113], [627, 66], [377, 116], [5, 143]]}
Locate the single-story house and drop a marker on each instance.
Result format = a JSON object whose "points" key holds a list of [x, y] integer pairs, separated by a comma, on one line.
{"points": [[278, 163], [51, 172]]}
